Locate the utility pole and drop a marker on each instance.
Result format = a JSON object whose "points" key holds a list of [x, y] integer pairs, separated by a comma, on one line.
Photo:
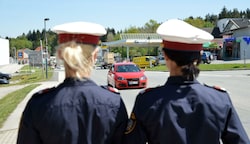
{"points": [[15, 57], [46, 48], [41, 45]]}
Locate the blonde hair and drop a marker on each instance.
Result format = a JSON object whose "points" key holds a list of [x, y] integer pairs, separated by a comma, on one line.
{"points": [[78, 58]]}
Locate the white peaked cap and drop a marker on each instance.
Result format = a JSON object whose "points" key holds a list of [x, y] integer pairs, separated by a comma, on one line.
{"points": [[82, 32], [179, 35]]}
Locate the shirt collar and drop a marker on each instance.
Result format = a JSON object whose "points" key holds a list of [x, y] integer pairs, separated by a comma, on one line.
{"points": [[76, 81], [179, 80]]}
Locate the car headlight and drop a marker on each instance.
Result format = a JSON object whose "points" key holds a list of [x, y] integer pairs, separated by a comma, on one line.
{"points": [[121, 78], [143, 78]]}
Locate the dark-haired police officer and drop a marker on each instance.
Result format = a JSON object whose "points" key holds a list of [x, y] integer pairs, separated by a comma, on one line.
{"points": [[183, 111], [78, 111]]}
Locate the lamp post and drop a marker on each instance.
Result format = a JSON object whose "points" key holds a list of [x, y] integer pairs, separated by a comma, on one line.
{"points": [[46, 48], [14, 54], [150, 60], [148, 39]]}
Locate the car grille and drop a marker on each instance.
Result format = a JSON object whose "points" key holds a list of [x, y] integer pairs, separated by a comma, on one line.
{"points": [[133, 79]]}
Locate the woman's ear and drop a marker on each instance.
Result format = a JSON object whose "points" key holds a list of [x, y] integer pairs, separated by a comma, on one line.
{"points": [[94, 54], [165, 56], [59, 54]]}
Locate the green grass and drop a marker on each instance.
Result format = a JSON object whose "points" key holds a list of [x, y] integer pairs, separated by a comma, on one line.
{"points": [[10, 101], [29, 75], [207, 67]]}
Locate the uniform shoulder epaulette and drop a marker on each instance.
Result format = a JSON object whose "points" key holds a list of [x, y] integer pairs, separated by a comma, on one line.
{"points": [[109, 88], [217, 88], [147, 90], [44, 91]]}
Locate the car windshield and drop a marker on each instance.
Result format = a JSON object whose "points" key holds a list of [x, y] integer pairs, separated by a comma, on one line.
{"points": [[127, 68], [152, 58], [206, 53]]}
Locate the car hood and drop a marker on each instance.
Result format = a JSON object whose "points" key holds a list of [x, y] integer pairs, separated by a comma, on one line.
{"points": [[130, 75]]}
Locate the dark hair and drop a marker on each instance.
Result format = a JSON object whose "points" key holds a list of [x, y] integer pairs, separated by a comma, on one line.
{"points": [[189, 60]]}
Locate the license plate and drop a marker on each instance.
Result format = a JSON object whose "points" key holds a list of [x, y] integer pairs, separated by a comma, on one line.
{"points": [[133, 82]]}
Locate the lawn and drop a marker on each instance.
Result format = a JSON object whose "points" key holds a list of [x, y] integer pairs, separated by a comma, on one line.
{"points": [[27, 75], [10, 101], [208, 67], [30, 75]]}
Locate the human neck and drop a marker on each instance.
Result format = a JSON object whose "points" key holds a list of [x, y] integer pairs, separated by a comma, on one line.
{"points": [[174, 70], [73, 74]]}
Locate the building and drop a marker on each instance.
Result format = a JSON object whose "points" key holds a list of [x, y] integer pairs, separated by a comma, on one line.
{"points": [[22, 56], [236, 38], [215, 46], [5, 51], [143, 40], [33, 57]]}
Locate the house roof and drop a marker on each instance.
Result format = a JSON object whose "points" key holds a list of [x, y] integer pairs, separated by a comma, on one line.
{"points": [[28, 51], [38, 49], [216, 32], [236, 23], [241, 23], [209, 30], [136, 40]]}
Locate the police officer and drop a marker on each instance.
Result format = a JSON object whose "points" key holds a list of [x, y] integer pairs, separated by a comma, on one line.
{"points": [[77, 111], [184, 111]]}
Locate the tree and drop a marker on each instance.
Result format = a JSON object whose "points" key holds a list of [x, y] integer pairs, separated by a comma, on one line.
{"points": [[224, 13], [110, 34], [20, 43], [52, 42], [151, 26], [247, 13], [235, 13], [131, 29], [199, 22], [211, 18]]}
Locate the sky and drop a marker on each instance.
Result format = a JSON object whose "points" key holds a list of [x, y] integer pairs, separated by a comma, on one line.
{"points": [[22, 16]]}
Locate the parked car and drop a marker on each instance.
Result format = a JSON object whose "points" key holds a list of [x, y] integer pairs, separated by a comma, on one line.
{"points": [[5, 76], [125, 75], [161, 60], [145, 61], [4, 81], [206, 57]]}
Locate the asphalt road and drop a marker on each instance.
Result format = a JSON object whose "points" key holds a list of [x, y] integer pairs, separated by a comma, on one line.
{"points": [[237, 83]]}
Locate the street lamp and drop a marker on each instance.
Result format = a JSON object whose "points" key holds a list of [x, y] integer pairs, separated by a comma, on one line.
{"points": [[14, 54], [46, 47], [148, 39]]}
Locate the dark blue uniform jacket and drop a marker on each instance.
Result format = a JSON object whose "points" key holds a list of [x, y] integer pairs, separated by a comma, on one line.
{"points": [[75, 112], [184, 112]]}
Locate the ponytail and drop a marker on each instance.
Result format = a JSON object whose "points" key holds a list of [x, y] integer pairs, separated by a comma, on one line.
{"points": [[190, 71], [77, 58], [188, 60]]}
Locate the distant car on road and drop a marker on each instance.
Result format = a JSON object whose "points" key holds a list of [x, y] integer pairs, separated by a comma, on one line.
{"points": [[145, 61], [4, 81], [206, 57], [5, 76], [125, 75], [161, 60]]}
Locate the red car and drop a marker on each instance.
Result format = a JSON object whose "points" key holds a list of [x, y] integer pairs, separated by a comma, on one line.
{"points": [[126, 75]]}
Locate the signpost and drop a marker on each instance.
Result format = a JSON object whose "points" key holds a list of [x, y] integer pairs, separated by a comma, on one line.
{"points": [[247, 40]]}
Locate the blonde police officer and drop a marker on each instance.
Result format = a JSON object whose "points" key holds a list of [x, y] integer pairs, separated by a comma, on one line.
{"points": [[78, 111]]}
